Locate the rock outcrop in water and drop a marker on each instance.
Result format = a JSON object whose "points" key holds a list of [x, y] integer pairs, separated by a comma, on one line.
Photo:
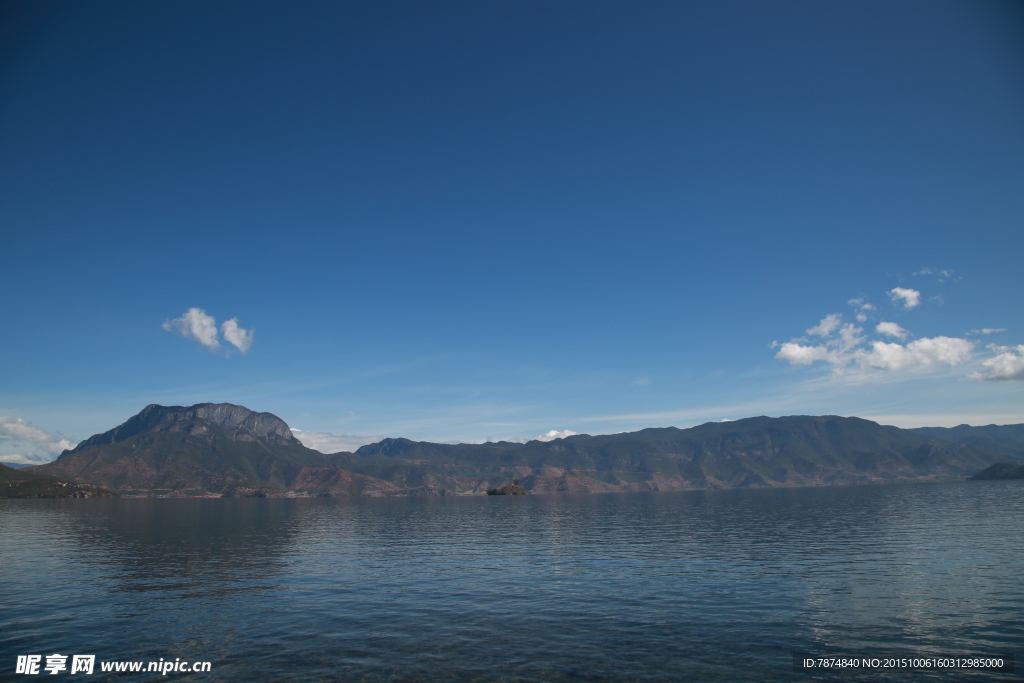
{"points": [[513, 489]]}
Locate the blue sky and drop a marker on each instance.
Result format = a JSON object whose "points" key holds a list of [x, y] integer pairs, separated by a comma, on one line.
{"points": [[468, 221]]}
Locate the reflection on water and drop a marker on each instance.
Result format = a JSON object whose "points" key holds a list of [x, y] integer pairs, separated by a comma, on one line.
{"points": [[711, 585]]}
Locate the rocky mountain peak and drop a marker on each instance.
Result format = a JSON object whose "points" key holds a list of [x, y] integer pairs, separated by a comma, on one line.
{"points": [[171, 418]]}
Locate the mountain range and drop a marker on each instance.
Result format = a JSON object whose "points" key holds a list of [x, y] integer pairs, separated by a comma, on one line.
{"points": [[225, 449]]}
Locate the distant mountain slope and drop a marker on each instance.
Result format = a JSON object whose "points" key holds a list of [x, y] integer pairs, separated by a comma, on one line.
{"points": [[17, 483], [997, 439], [758, 451], [205, 447], [1001, 470], [224, 448]]}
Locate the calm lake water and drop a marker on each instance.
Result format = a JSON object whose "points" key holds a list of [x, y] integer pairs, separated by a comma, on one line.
{"points": [[716, 586]]}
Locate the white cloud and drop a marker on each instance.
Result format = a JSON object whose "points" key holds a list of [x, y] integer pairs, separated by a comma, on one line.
{"points": [[844, 345], [862, 307], [24, 459], [799, 354], [921, 352], [908, 298], [1007, 365], [861, 304], [835, 348], [553, 434], [988, 330], [325, 442], [42, 446], [827, 325], [242, 339], [941, 272], [196, 324], [891, 329]]}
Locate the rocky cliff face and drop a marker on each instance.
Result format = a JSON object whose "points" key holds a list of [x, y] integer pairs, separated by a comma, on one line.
{"points": [[244, 424], [208, 447]]}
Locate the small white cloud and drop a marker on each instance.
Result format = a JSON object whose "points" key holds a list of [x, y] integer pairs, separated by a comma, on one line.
{"points": [[908, 298], [555, 434], [891, 330], [241, 338], [861, 304], [988, 330], [196, 324], [861, 318], [325, 442], [799, 354], [1007, 365], [827, 325]]}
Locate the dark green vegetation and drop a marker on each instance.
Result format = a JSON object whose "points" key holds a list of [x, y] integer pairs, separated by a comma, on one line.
{"points": [[513, 489], [996, 439], [758, 451], [222, 449], [15, 483], [1001, 470]]}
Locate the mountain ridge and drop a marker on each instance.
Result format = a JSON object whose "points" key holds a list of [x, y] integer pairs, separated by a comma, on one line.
{"points": [[223, 448]]}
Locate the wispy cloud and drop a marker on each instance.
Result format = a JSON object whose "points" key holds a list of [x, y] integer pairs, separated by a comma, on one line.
{"points": [[941, 272], [553, 434], [325, 442], [988, 330], [24, 459], [197, 324], [862, 308], [908, 298], [912, 420], [829, 324], [683, 417], [891, 330], [31, 439]]}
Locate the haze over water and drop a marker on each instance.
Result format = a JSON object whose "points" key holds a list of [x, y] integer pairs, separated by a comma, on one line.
{"points": [[721, 585]]}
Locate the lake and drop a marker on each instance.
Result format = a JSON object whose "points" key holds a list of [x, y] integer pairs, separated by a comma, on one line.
{"points": [[699, 585]]}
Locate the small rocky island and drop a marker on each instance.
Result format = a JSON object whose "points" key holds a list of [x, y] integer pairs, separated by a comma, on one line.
{"points": [[513, 489]]}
